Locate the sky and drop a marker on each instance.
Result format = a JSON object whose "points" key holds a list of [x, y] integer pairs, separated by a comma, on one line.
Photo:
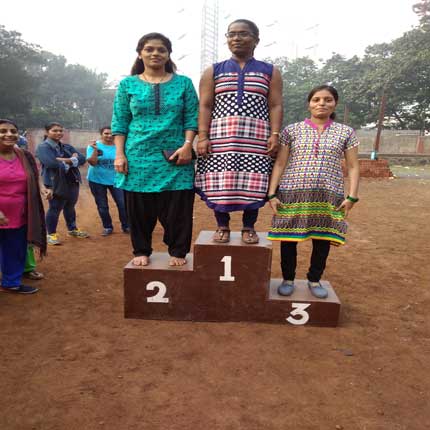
{"points": [[102, 35]]}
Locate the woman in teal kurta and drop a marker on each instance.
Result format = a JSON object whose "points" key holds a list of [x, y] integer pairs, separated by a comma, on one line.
{"points": [[155, 110]]}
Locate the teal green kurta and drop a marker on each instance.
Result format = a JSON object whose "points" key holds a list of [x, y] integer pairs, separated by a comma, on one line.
{"points": [[152, 124]]}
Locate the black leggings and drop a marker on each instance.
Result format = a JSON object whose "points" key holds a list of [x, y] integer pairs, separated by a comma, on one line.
{"points": [[174, 210], [249, 217], [320, 251]]}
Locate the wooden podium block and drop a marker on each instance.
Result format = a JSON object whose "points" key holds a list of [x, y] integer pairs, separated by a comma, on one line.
{"points": [[302, 307], [158, 291], [235, 275], [222, 282]]}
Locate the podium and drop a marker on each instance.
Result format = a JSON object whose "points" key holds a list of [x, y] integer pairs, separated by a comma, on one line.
{"points": [[222, 282]]}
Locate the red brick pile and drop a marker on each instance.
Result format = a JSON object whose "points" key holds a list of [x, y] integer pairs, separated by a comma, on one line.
{"points": [[372, 169]]}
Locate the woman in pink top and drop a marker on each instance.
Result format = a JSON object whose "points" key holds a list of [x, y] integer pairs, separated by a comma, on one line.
{"points": [[22, 217]]}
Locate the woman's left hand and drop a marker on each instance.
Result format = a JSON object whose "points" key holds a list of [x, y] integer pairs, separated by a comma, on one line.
{"points": [[346, 205], [183, 154], [274, 204]]}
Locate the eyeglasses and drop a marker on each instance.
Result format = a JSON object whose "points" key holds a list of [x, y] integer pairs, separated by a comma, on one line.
{"points": [[239, 34]]}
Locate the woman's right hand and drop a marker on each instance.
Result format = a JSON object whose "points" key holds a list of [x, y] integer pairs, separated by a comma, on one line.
{"points": [[203, 147], [121, 164], [3, 219], [274, 204]]}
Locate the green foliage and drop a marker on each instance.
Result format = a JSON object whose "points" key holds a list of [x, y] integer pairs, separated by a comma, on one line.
{"points": [[422, 9], [299, 77], [38, 87], [399, 69], [16, 81]]}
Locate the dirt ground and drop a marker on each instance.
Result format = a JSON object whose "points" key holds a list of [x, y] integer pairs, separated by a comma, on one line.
{"points": [[69, 359]]}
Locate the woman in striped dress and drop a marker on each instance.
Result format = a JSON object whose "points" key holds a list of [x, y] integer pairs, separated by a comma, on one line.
{"points": [[240, 116], [306, 189]]}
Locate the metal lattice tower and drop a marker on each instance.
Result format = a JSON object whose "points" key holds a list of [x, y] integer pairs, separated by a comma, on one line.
{"points": [[209, 47]]}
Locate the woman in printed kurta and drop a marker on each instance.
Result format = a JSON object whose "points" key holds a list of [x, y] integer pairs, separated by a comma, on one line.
{"points": [[155, 110], [306, 190], [239, 121]]}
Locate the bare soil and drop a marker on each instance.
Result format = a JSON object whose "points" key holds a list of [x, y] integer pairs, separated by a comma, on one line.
{"points": [[69, 359]]}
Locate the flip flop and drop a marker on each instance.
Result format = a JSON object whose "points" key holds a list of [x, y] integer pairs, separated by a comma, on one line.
{"points": [[221, 235], [250, 236], [33, 275]]}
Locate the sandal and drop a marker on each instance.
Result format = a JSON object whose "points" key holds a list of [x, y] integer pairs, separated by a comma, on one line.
{"points": [[35, 276], [221, 235], [250, 236]]}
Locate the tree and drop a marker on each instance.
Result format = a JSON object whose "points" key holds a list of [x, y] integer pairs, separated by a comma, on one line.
{"points": [[38, 87], [71, 94], [346, 75], [17, 84], [299, 77], [401, 69], [422, 9]]}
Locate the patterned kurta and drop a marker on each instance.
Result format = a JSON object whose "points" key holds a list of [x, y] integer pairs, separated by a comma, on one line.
{"points": [[235, 175], [312, 184], [154, 117]]}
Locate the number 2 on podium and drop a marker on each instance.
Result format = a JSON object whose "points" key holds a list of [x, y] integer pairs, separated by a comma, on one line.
{"points": [[160, 296], [227, 269]]}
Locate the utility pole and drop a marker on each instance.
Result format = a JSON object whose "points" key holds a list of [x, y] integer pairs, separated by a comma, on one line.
{"points": [[374, 154], [346, 114]]}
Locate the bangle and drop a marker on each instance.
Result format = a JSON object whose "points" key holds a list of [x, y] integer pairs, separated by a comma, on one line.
{"points": [[275, 132], [188, 141], [271, 196], [203, 139], [352, 199]]}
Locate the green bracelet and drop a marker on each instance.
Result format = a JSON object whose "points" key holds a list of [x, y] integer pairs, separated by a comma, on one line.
{"points": [[352, 199], [271, 196]]}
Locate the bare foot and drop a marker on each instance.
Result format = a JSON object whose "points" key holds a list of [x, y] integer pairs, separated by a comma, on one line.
{"points": [[176, 261], [141, 260]]}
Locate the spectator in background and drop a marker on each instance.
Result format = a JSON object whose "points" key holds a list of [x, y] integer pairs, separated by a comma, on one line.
{"points": [[22, 218], [101, 178], [22, 141], [61, 177], [30, 271]]}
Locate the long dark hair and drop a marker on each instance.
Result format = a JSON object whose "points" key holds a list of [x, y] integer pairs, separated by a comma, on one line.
{"points": [[8, 121], [139, 67], [330, 89]]}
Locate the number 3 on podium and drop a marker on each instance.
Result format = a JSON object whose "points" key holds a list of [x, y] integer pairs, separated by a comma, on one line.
{"points": [[299, 309]]}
